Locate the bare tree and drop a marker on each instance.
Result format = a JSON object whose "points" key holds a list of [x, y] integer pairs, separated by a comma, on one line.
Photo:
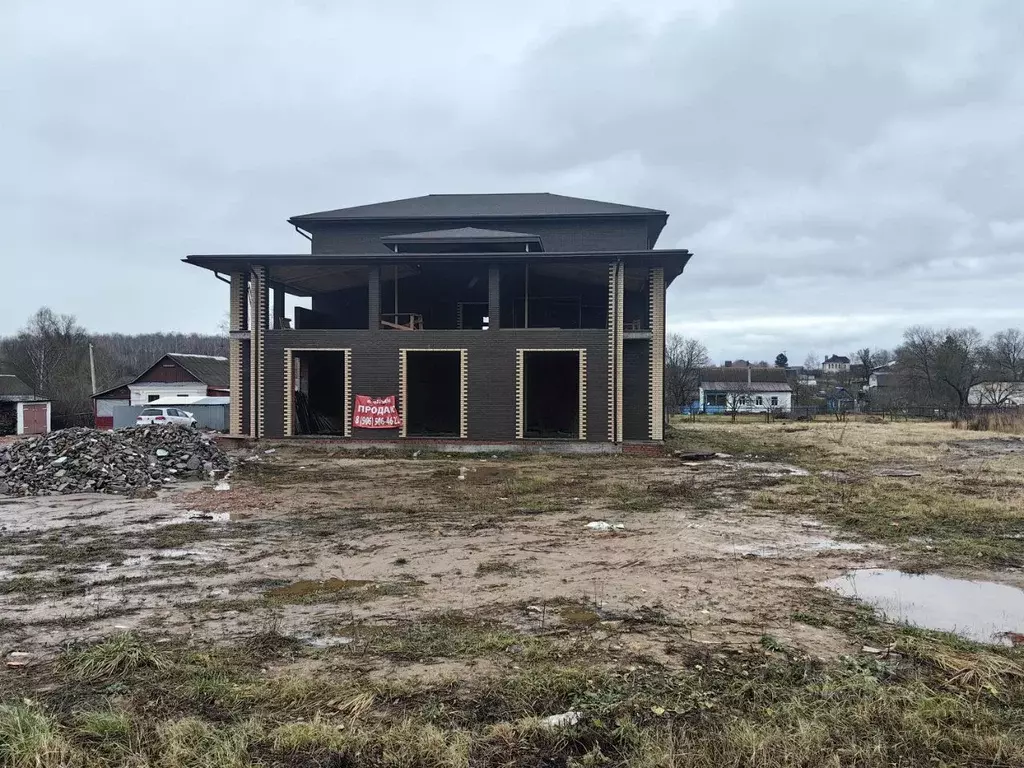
{"points": [[917, 364], [998, 393], [734, 401], [864, 358], [684, 358], [51, 355], [121, 357], [813, 361], [881, 357], [960, 361], [1006, 356]]}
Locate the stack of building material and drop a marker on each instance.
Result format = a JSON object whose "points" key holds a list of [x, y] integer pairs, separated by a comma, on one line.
{"points": [[126, 461]]}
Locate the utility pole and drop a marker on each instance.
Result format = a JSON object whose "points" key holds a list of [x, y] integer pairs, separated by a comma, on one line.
{"points": [[92, 369]]}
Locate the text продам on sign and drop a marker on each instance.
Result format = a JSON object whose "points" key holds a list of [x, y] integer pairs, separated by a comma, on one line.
{"points": [[376, 413]]}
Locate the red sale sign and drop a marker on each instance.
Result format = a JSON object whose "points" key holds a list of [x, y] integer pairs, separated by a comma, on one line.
{"points": [[376, 413]]}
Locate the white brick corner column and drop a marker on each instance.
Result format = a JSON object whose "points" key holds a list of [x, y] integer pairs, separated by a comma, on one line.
{"points": [[613, 274], [620, 290], [583, 395], [237, 316], [257, 349], [656, 418], [520, 396], [463, 393], [403, 392]]}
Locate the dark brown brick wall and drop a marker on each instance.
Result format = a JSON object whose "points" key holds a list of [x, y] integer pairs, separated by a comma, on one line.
{"points": [[491, 363], [636, 369], [587, 234]]}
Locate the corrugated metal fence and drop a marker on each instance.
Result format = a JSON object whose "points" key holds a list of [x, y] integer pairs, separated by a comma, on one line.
{"points": [[208, 416]]}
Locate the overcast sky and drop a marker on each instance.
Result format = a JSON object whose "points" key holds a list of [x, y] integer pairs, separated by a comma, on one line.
{"points": [[839, 169]]}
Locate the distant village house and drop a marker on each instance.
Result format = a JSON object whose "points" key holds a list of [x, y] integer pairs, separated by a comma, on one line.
{"points": [[997, 394], [178, 378], [836, 364], [744, 390]]}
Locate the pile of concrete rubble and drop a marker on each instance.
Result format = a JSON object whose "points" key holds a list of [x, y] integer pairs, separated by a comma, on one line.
{"points": [[128, 461]]}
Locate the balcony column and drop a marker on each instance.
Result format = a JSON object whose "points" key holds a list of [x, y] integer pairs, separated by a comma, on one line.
{"points": [[278, 314], [373, 286], [494, 298]]}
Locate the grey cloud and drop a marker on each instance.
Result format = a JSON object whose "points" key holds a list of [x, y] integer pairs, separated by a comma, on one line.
{"points": [[839, 169]]}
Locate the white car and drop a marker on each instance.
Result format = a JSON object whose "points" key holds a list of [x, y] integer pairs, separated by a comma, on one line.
{"points": [[166, 416]]}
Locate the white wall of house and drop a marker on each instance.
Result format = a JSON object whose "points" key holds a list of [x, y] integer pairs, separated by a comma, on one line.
{"points": [[835, 367], [997, 393], [754, 402], [144, 392]]}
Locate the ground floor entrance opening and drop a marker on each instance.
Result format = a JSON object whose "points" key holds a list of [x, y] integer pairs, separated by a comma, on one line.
{"points": [[551, 394], [433, 393], [320, 394]]}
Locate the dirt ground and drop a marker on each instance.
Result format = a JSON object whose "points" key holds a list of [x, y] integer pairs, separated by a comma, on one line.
{"points": [[326, 609], [317, 543]]}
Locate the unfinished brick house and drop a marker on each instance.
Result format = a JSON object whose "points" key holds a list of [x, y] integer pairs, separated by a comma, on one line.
{"points": [[497, 318]]}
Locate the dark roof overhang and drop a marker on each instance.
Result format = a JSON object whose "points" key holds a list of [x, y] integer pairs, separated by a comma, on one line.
{"points": [[278, 264]]}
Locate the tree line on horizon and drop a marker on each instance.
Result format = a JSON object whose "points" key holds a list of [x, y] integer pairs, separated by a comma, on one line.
{"points": [[51, 355], [932, 368]]}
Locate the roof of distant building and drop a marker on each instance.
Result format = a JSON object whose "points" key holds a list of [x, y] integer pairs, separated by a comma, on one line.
{"points": [[212, 370], [743, 386], [11, 387], [837, 359], [728, 378]]}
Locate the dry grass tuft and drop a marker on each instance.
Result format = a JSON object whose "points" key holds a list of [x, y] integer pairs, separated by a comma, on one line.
{"points": [[30, 739], [113, 659], [1010, 422]]}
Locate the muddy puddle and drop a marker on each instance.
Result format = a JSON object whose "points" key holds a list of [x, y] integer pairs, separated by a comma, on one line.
{"points": [[983, 611]]}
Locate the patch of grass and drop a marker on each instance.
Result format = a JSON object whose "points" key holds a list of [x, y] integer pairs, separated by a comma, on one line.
{"points": [[194, 743], [313, 736], [500, 567], [446, 635], [29, 738], [633, 497], [106, 725], [1010, 422], [112, 659], [340, 590], [652, 496], [31, 586], [179, 534], [942, 703], [810, 619], [957, 528], [772, 643]]}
